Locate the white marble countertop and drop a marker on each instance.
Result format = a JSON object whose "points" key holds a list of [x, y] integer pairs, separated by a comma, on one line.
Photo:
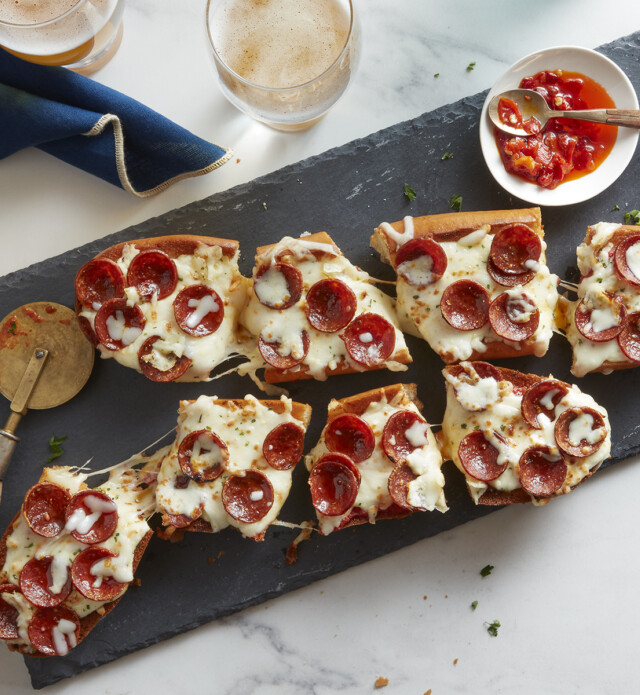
{"points": [[564, 585]]}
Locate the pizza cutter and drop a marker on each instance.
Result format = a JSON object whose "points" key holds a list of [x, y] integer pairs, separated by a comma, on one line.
{"points": [[45, 360]]}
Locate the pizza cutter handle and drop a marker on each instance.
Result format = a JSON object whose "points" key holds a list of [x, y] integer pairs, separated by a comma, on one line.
{"points": [[8, 441]]}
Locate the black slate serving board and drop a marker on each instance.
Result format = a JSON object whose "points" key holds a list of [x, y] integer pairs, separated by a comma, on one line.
{"points": [[347, 192]]}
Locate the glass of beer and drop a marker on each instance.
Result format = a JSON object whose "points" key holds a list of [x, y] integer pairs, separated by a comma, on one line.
{"points": [[283, 62], [82, 35]]}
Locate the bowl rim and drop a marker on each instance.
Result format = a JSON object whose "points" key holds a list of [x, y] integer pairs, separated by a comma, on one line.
{"points": [[590, 185]]}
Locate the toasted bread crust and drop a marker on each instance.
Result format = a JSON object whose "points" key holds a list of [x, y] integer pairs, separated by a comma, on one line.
{"points": [[89, 621], [317, 238], [173, 245], [453, 226]]}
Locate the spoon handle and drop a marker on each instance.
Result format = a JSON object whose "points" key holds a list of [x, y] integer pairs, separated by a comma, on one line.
{"points": [[624, 117]]}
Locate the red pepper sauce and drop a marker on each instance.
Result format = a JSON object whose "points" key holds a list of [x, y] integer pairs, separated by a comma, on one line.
{"points": [[565, 149]]}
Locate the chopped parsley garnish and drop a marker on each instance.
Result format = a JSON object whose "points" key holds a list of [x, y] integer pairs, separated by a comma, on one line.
{"points": [[409, 192], [437, 74], [471, 65], [632, 217], [474, 605], [492, 628], [447, 155], [614, 208], [464, 425], [455, 202], [12, 328], [486, 570], [503, 427], [55, 445]]}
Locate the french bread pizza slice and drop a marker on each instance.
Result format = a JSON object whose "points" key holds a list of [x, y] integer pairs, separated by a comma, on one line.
{"points": [[315, 314], [520, 437], [474, 285], [71, 552], [603, 324], [376, 459], [231, 464], [166, 306]]}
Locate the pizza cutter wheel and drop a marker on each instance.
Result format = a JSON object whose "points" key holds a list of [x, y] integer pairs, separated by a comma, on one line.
{"points": [[45, 360]]}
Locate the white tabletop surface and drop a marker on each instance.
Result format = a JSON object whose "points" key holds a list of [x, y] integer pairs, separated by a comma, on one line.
{"points": [[564, 587]]}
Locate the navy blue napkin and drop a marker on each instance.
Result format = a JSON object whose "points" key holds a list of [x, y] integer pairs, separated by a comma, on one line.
{"points": [[97, 129]]}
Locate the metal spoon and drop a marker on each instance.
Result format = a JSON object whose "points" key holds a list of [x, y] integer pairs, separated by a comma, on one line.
{"points": [[533, 104]]}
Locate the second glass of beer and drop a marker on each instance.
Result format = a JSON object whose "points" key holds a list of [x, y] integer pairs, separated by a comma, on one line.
{"points": [[82, 35], [283, 62]]}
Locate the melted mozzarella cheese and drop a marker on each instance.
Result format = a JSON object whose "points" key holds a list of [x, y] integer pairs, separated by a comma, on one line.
{"points": [[581, 429], [476, 395], [598, 283], [207, 266], [243, 427], [520, 306], [402, 237], [418, 271], [467, 259], [271, 288], [201, 307], [632, 256], [64, 637], [326, 350], [119, 331], [504, 427], [426, 491]]}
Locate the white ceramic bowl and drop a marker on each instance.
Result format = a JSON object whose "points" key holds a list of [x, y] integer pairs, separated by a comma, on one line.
{"points": [[597, 67]]}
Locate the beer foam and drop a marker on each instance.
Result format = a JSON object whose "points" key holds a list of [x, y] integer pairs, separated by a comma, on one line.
{"points": [[69, 32], [33, 11], [279, 43]]}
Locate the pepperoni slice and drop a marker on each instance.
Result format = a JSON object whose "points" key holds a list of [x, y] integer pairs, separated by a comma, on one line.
{"points": [[203, 456], [514, 248], [541, 473], [278, 286], [8, 614], [465, 305], [87, 329], [271, 354], [398, 484], [404, 432], [44, 507], [629, 337], [54, 631], [542, 399], [36, 580], [182, 520], [117, 324], [350, 435], [484, 370], [370, 339], [283, 446], [152, 273], [421, 262], [98, 281], [198, 310], [145, 356], [506, 279], [620, 259], [479, 457], [331, 304], [514, 316], [249, 497], [334, 484], [88, 579], [576, 427], [600, 317], [92, 516]]}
